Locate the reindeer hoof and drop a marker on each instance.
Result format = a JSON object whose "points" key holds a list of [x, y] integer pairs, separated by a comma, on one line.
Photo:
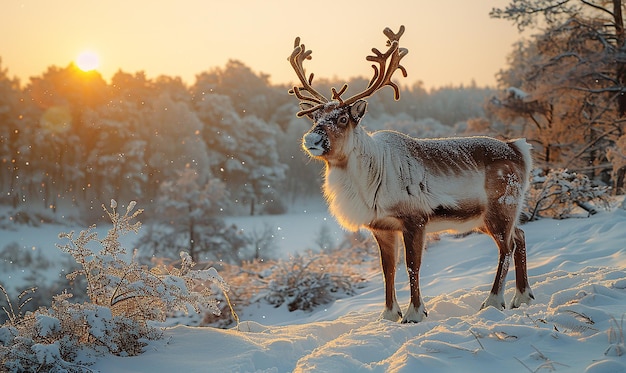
{"points": [[393, 314], [414, 315], [519, 298], [493, 300]]}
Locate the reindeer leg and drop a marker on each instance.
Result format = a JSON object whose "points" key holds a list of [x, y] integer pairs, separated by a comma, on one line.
{"points": [[387, 245], [414, 238], [523, 293], [505, 246]]}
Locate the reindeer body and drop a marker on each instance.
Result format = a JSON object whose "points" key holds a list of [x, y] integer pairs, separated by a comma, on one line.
{"points": [[388, 174], [388, 182]]}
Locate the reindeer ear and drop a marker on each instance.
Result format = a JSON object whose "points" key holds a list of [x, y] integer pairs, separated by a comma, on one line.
{"points": [[306, 106], [357, 110]]}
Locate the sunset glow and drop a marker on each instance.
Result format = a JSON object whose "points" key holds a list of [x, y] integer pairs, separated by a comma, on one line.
{"points": [[87, 60], [450, 43]]}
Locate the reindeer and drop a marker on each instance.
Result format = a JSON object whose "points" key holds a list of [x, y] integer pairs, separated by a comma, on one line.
{"points": [[388, 182]]}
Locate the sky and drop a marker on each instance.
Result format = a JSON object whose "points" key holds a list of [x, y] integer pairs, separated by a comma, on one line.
{"points": [[450, 42]]}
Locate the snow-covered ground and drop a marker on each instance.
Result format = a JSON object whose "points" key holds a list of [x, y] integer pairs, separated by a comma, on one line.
{"points": [[577, 269]]}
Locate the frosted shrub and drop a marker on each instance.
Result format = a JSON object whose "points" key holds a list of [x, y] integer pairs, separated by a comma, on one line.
{"points": [[558, 193], [131, 289], [123, 297], [66, 336], [36, 341], [307, 281], [302, 282]]}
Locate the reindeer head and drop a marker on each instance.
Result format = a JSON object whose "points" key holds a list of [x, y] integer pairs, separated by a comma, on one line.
{"points": [[334, 120]]}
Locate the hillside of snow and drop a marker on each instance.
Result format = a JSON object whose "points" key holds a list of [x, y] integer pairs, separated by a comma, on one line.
{"points": [[577, 270]]}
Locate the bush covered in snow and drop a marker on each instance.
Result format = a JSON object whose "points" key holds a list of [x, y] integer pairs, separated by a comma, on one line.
{"points": [[307, 281], [302, 282], [123, 297], [66, 336], [559, 192]]}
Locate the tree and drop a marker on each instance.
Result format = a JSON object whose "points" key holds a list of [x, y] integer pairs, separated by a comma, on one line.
{"points": [[576, 79], [116, 164], [59, 136], [258, 171], [174, 141], [67, 135], [244, 151], [189, 207], [123, 132], [617, 156], [9, 134], [250, 93], [302, 177]]}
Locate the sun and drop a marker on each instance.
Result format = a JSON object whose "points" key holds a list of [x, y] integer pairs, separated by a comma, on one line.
{"points": [[87, 60]]}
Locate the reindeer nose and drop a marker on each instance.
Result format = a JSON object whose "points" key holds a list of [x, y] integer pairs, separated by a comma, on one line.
{"points": [[313, 139], [313, 143]]}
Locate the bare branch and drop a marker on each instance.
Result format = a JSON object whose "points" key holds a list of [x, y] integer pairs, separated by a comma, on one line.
{"points": [[598, 7]]}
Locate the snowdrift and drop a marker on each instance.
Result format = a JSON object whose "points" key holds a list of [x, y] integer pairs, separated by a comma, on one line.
{"points": [[577, 270]]}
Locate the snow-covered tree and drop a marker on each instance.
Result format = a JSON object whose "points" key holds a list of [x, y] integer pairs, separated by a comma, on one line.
{"points": [[574, 77], [116, 161], [10, 134], [243, 150], [69, 136], [58, 139], [250, 92], [188, 218], [174, 141], [257, 171]]}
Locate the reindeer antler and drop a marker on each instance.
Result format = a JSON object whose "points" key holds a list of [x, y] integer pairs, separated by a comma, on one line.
{"points": [[384, 71], [316, 99], [382, 74]]}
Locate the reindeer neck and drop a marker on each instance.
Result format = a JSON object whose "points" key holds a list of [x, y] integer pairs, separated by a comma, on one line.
{"points": [[362, 156], [351, 189]]}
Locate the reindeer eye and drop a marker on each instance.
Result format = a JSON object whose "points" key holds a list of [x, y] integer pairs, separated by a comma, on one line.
{"points": [[343, 120]]}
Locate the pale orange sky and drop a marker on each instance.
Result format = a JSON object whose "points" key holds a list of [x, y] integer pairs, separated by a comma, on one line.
{"points": [[449, 41]]}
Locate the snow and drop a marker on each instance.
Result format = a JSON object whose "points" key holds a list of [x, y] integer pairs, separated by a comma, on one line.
{"points": [[577, 270], [295, 232], [47, 325], [46, 353], [517, 93]]}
